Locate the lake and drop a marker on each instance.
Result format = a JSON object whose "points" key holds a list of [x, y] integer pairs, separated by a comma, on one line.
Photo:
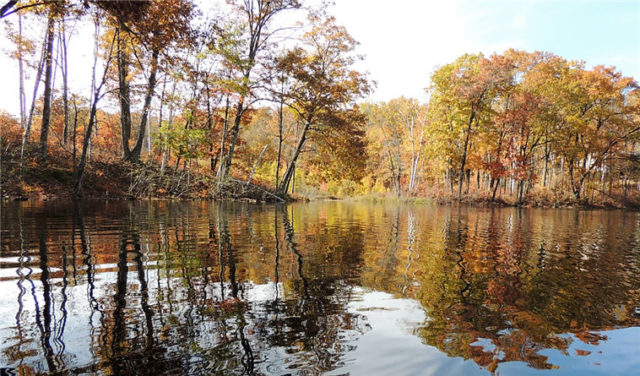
{"points": [[330, 288]]}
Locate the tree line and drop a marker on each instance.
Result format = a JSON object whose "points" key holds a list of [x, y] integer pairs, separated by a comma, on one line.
{"points": [[515, 122], [267, 92]]}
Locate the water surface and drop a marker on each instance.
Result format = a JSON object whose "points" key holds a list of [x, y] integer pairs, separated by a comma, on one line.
{"points": [[321, 288]]}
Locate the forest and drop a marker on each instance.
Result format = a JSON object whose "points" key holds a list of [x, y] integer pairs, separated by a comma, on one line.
{"points": [[266, 100]]}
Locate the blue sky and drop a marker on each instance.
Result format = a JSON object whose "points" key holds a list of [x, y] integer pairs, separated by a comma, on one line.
{"points": [[404, 43], [600, 32], [405, 40]]}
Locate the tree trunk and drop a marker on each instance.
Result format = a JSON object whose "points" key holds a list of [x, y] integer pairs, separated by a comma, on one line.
{"points": [[393, 170], [280, 121], [520, 192], [79, 172], [135, 152], [75, 127], [495, 189], [468, 179], [286, 178], [255, 165], [463, 161], [22, 97], [225, 128], [65, 82], [450, 179], [27, 130], [46, 105], [123, 94], [234, 132], [85, 145], [212, 159], [165, 149], [149, 145], [547, 152], [576, 192]]}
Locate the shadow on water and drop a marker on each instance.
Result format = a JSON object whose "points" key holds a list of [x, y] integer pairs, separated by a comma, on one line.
{"points": [[222, 288]]}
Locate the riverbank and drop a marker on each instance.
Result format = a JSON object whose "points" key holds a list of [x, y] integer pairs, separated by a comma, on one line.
{"points": [[536, 199], [116, 179]]}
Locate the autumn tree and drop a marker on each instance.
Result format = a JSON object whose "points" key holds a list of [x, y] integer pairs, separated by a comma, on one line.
{"points": [[243, 55], [396, 132], [97, 94], [596, 121], [384, 144], [152, 25], [461, 95], [324, 87]]}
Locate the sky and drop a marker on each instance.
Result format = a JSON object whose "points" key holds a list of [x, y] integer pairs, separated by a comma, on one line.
{"points": [[404, 41]]}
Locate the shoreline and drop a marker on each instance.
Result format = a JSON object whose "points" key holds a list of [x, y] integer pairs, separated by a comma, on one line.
{"points": [[147, 181], [404, 200]]}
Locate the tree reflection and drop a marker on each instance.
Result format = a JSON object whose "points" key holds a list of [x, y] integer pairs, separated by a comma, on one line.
{"points": [[45, 328], [232, 289], [24, 272], [519, 307]]}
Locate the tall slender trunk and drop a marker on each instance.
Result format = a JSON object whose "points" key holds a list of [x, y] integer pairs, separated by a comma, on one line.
{"points": [[280, 121], [123, 92], [85, 148], [165, 149], [225, 128], [468, 179], [520, 192], [463, 161], [413, 152], [393, 171], [234, 139], [576, 192], [547, 155], [286, 178], [255, 165], [495, 189], [149, 145], [415, 161], [151, 85], [212, 159], [603, 176], [449, 177], [46, 105], [96, 95], [65, 81], [21, 94], [75, 128], [36, 85], [162, 96]]}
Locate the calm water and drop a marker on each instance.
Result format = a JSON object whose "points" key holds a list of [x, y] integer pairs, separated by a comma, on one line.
{"points": [[321, 288]]}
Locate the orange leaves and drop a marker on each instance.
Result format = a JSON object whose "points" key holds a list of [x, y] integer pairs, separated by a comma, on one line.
{"points": [[511, 106]]}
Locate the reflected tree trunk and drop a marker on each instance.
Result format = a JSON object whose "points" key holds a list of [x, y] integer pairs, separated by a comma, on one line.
{"points": [[44, 324], [120, 300], [144, 292], [289, 235]]}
